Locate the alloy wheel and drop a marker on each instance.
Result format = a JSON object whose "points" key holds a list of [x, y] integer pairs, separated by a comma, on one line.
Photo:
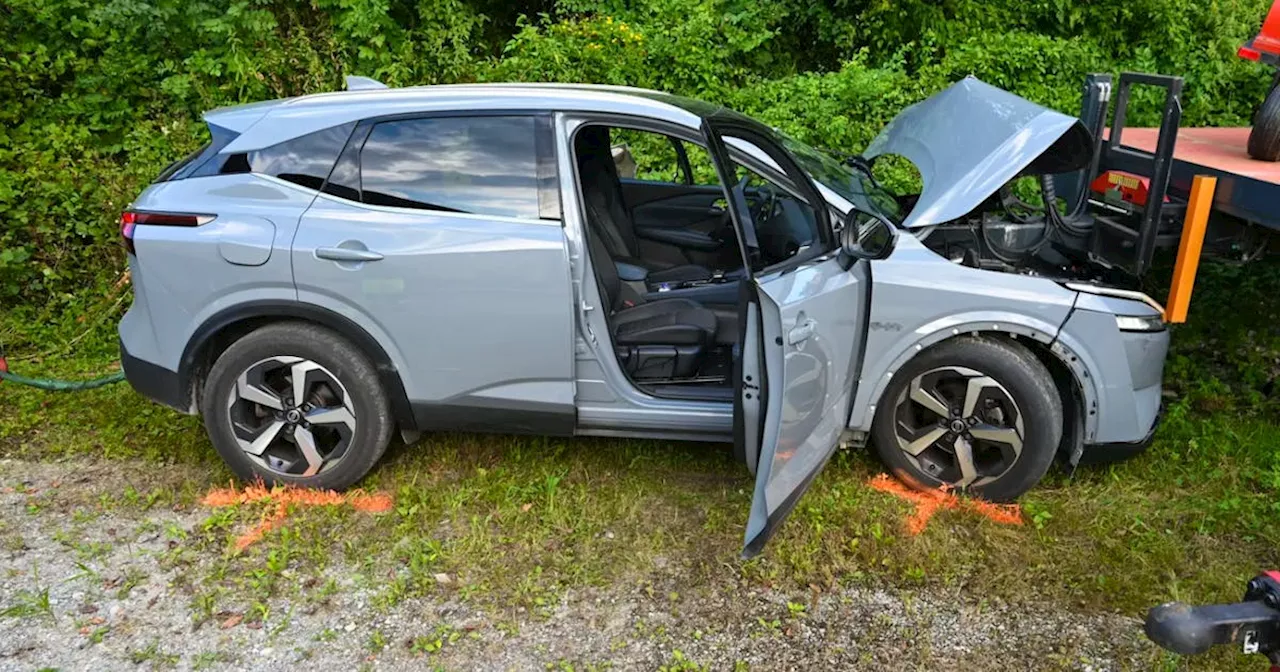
{"points": [[291, 415], [959, 426]]}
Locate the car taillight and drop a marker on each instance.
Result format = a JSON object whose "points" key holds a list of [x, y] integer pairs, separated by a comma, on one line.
{"points": [[1249, 52], [130, 219]]}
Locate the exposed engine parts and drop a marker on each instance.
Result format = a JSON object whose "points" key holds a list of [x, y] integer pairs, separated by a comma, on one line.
{"points": [[1012, 235]]}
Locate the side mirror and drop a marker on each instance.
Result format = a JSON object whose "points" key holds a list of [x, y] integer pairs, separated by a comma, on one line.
{"points": [[867, 235]]}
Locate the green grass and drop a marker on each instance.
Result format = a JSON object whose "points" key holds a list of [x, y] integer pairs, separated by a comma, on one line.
{"points": [[514, 521], [28, 603], [154, 654]]}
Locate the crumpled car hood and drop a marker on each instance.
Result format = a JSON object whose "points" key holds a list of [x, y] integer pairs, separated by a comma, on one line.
{"points": [[970, 139]]}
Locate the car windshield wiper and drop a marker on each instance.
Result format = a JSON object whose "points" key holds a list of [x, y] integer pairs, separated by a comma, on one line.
{"points": [[857, 161]]}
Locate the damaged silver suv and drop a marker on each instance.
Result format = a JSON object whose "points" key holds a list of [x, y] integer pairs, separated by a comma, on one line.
{"points": [[585, 260]]}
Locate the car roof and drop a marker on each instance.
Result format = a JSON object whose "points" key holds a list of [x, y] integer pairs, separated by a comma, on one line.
{"points": [[267, 123]]}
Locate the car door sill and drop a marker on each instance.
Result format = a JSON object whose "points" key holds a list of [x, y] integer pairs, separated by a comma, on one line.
{"points": [[689, 392], [657, 434]]}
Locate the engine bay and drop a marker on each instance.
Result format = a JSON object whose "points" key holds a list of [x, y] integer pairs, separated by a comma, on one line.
{"points": [[1023, 228]]}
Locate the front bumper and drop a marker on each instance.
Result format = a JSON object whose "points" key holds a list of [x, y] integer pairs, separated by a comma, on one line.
{"points": [[1102, 453], [153, 381], [1119, 372]]}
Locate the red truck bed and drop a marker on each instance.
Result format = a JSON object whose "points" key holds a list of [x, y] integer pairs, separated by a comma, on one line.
{"points": [[1218, 148], [1247, 188]]}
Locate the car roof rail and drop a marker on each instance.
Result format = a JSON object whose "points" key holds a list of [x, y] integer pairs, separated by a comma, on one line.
{"points": [[358, 83]]}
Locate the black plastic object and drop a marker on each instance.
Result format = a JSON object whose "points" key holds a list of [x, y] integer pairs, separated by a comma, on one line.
{"points": [[1254, 622], [1184, 629], [660, 362]]}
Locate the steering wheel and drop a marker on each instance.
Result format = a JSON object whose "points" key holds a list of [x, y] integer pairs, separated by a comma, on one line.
{"points": [[765, 208]]}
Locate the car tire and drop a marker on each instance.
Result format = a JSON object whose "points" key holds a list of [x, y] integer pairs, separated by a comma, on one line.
{"points": [[1264, 139], [988, 400], [329, 438]]}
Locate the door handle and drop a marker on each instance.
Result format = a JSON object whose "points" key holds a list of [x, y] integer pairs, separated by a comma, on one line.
{"points": [[801, 332], [346, 254]]}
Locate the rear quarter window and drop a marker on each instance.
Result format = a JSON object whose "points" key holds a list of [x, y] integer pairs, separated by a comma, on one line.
{"points": [[189, 165], [481, 165], [305, 160]]}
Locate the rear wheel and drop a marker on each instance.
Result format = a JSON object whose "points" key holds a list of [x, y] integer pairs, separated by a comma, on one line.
{"points": [[977, 415], [1264, 139], [296, 404]]}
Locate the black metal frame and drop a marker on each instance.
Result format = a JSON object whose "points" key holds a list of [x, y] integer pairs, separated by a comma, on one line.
{"points": [[1115, 241]]}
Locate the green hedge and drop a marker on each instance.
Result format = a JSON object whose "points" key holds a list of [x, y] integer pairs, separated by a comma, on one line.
{"points": [[100, 95]]}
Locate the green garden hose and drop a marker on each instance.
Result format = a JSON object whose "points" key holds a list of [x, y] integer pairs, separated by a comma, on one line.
{"points": [[62, 385], [57, 385]]}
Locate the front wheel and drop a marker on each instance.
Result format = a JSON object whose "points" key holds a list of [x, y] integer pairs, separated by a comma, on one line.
{"points": [[296, 404], [977, 415]]}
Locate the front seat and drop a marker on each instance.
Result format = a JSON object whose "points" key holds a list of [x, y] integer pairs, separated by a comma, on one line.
{"points": [[657, 340], [602, 191]]}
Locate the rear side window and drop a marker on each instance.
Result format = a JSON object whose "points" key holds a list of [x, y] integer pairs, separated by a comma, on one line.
{"points": [[304, 160], [173, 168], [481, 165], [187, 166]]}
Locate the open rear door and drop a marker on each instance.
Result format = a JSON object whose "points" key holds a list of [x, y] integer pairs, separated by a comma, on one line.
{"points": [[802, 327]]}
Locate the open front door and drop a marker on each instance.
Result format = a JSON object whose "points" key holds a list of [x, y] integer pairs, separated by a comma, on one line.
{"points": [[802, 324], [811, 324]]}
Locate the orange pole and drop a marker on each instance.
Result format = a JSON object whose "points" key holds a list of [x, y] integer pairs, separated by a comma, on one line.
{"points": [[1193, 227]]}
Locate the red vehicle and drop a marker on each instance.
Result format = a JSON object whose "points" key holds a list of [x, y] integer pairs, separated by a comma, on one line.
{"points": [[1264, 141]]}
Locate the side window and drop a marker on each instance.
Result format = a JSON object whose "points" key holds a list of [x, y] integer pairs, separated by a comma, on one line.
{"points": [[654, 157], [700, 165], [785, 224], [304, 160], [344, 180], [480, 165], [643, 155], [786, 227]]}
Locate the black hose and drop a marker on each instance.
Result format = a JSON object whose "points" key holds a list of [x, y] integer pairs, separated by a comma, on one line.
{"points": [[1071, 223], [1013, 206]]}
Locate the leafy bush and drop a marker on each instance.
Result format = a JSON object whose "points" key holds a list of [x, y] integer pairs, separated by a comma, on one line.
{"points": [[101, 94]]}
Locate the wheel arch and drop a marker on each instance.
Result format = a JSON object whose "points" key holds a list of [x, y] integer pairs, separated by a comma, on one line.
{"points": [[1079, 400], [225, 327], [1070, 372]]}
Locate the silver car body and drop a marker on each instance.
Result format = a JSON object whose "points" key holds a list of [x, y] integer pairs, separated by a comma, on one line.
{"points": [[494, 323]]}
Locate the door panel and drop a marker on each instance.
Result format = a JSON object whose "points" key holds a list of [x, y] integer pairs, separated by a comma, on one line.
{"points": [[664, 205], [750, 382], [678, 223], [477, 307], [813, 325], [812, 315]]}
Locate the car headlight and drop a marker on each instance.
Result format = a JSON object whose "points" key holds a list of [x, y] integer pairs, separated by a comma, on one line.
{"points": [[1145, 323]]}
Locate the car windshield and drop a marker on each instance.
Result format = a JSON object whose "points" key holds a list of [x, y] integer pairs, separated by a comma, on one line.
{"points": [[850, 183]]}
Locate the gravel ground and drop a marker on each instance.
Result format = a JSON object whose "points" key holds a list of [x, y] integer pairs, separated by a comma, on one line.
{"points": [[121, 609]]}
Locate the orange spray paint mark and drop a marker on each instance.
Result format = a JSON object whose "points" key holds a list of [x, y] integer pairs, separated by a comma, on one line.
{"points": [[280, 498], [929, 502]]}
